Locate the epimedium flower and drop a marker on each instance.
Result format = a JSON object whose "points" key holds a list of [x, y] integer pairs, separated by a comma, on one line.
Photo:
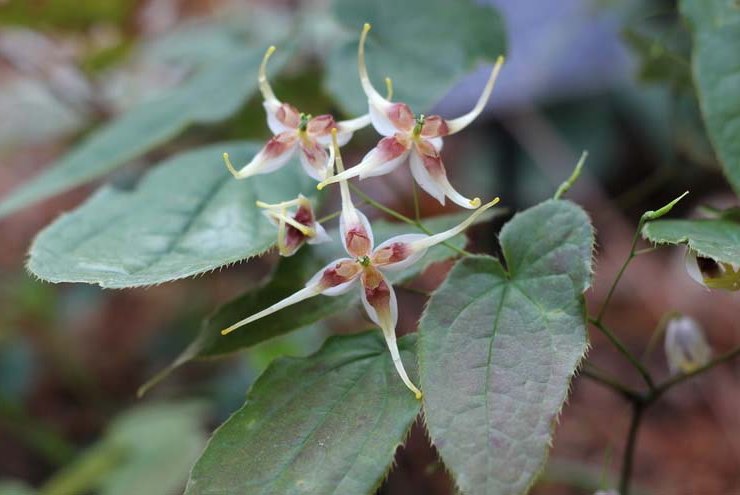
{"points": [[416, 138], [293, 131], [686, 347], [366, 265], [294, 228], [713, 274]]}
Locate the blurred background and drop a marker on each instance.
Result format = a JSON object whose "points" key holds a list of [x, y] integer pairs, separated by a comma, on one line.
{"points": [[610, 77]]}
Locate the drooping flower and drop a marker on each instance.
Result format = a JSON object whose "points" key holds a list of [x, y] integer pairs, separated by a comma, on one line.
{"points": [[367, 264], [686, 347], [416, 138], [713, 274], [294, 130], [296, 228]]}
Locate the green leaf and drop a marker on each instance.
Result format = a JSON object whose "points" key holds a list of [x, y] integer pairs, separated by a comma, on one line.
{"points": [[8, 487], [147, 450], [212, 95], [716, 68], [290, 276], [425, 46], [498, 347], [717, 239], [328, 423], [187, 216]]}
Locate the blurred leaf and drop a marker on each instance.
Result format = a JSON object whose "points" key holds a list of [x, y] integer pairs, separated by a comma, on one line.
{"points": [[425, 46], [328, 423], [186, 217], [716, 68], [211, 95], [8, 487], [715, 239], [147, 451], [498, 347], [70, 14]]}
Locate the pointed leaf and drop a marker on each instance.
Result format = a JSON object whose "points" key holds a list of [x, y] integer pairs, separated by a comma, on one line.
{"points": [[716, 239], [290, 276], [434, 41], [716, 68], [187, 216], [498, 348], [329, 423], [212, 95]]}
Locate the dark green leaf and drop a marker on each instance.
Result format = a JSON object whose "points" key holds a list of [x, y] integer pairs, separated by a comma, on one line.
{"points": [[212, 95], [498, 347], [329, 423], [425, 46], [716, 68], [187, 216], [717, 239], [289, 277]]}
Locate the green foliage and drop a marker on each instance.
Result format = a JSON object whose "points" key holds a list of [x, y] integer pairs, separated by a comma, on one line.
{"points": [[147, 451], [290, 276], [329, 423], [718, 239], [188, 216], [716, 69], [498, 347], [69, 14], [217, 91], [425, 46]]}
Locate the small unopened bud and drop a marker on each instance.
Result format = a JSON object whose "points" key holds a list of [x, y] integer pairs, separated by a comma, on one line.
{"points": [[686, 347], [606, 492]]}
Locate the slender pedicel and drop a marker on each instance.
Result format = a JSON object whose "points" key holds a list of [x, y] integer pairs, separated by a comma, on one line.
{"points": [[432, 240], [301, 295], [456, 125]]}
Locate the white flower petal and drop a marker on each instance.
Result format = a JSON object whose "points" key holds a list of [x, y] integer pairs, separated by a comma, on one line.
{"points": [[399, 252], [458, 124], [276, 153]]}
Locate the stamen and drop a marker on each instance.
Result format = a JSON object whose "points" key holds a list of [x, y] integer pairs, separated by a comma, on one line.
{"points": [[432, 240], [304, 121], [264, 85], [419, 125], [388, 88], [283, 204], [364, 261], [458, 124], [367, 86]]}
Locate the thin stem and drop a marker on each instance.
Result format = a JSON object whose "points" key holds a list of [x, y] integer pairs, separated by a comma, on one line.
{"points": [[663, 387], [402, 218], [629, 451], [609, 295], [624, 351], [332, 216], [611, 382], [649, 250], [417, 214], [382, 207]]}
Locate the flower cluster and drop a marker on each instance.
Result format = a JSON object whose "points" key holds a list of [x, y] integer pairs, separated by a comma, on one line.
{"points": [[416, 138]]}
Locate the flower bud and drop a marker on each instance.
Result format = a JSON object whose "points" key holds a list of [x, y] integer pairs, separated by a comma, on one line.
{"points": [[606, 492], [686, 346]]}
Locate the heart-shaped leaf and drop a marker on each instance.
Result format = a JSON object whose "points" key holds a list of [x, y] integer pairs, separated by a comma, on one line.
{"points": [[718, 239], [498, 347], [716, 68], [187, 216], [329, 423]]}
